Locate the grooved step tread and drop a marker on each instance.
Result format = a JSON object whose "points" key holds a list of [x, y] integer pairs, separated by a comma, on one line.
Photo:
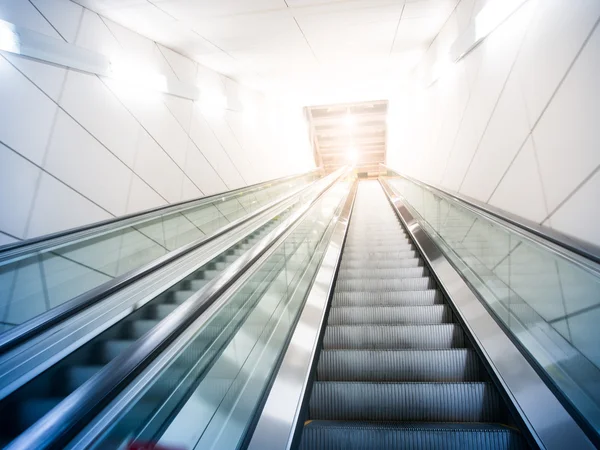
{"points": [[386, 284], [451, 365], [429, 402], [389, 315], [393, 337], [382, 273], [390, 298], [343, 435]]}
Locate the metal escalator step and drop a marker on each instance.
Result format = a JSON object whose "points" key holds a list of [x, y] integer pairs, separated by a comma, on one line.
{"points": [[419, 402], [369, 285], [393, 336], [111, 349], [398, 365], [181, 296], [390, 298], [400, 272], [339, 435], [379, 247], [141, 327], [389, 315], [163, 310], [77, 375], [351, 256], [366, 263], [32, 410], [196, 285]]}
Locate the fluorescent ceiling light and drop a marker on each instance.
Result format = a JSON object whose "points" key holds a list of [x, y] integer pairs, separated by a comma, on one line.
{"points": [[138, 77], [9, 38]]}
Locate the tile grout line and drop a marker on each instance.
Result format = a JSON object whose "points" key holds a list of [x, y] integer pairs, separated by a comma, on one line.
{"points": [[572, 194], [560, 83], [57, 179], [397, 28], [78, 123], [46, 19], [491, 116], [136, 118]]}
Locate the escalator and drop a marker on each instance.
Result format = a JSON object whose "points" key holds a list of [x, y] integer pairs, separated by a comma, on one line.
{"points": [[330, 319], [396, 369], [28, 404]]}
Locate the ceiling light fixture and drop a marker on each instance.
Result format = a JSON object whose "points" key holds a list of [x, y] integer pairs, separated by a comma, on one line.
{"points": [[125, 71], [9, 38]]}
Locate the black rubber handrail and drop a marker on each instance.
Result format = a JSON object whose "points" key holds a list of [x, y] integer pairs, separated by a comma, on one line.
{"points": [[586, 250], [55, 429], [159, 210], [42, 322]]}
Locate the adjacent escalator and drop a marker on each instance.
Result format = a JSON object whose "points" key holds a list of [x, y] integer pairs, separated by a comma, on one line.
{"points": [[396, 370], [28, 404]]}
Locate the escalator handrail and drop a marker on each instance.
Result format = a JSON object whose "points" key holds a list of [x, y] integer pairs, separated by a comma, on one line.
{"points": [[42, 322], [35, 244], [581, 253], [278, 424], [61, 423]]}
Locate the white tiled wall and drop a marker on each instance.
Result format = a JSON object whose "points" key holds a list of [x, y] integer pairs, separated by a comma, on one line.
{"points": [[77, 148], [515, 122]]}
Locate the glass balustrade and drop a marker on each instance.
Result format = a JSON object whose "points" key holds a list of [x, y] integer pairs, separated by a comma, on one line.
{"points": [[548, 300]]}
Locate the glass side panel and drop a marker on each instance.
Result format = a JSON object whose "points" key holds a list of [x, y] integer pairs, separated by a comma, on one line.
{"points": [[208, 394], [550, 303], [36, 282]]}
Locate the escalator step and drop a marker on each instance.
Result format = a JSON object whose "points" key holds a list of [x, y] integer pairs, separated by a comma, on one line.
{"points": [[389, 315], [196, 285], [393, 298], [400, 272], [111, 349], [77, 375], [428, 402], [338, 435], [162, 311], [398, 365], [369, 285], [141, 327], [32, 410], [393, 337], [380, 255], [351, 247], [181, 296], [367, 263]]}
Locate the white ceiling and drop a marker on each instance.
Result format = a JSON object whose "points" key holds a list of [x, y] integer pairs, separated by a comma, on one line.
{"points": [[312, 51]]}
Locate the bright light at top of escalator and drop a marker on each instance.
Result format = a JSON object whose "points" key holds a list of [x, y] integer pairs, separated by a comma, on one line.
{"points": [[352, 155], [349, 120]]}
